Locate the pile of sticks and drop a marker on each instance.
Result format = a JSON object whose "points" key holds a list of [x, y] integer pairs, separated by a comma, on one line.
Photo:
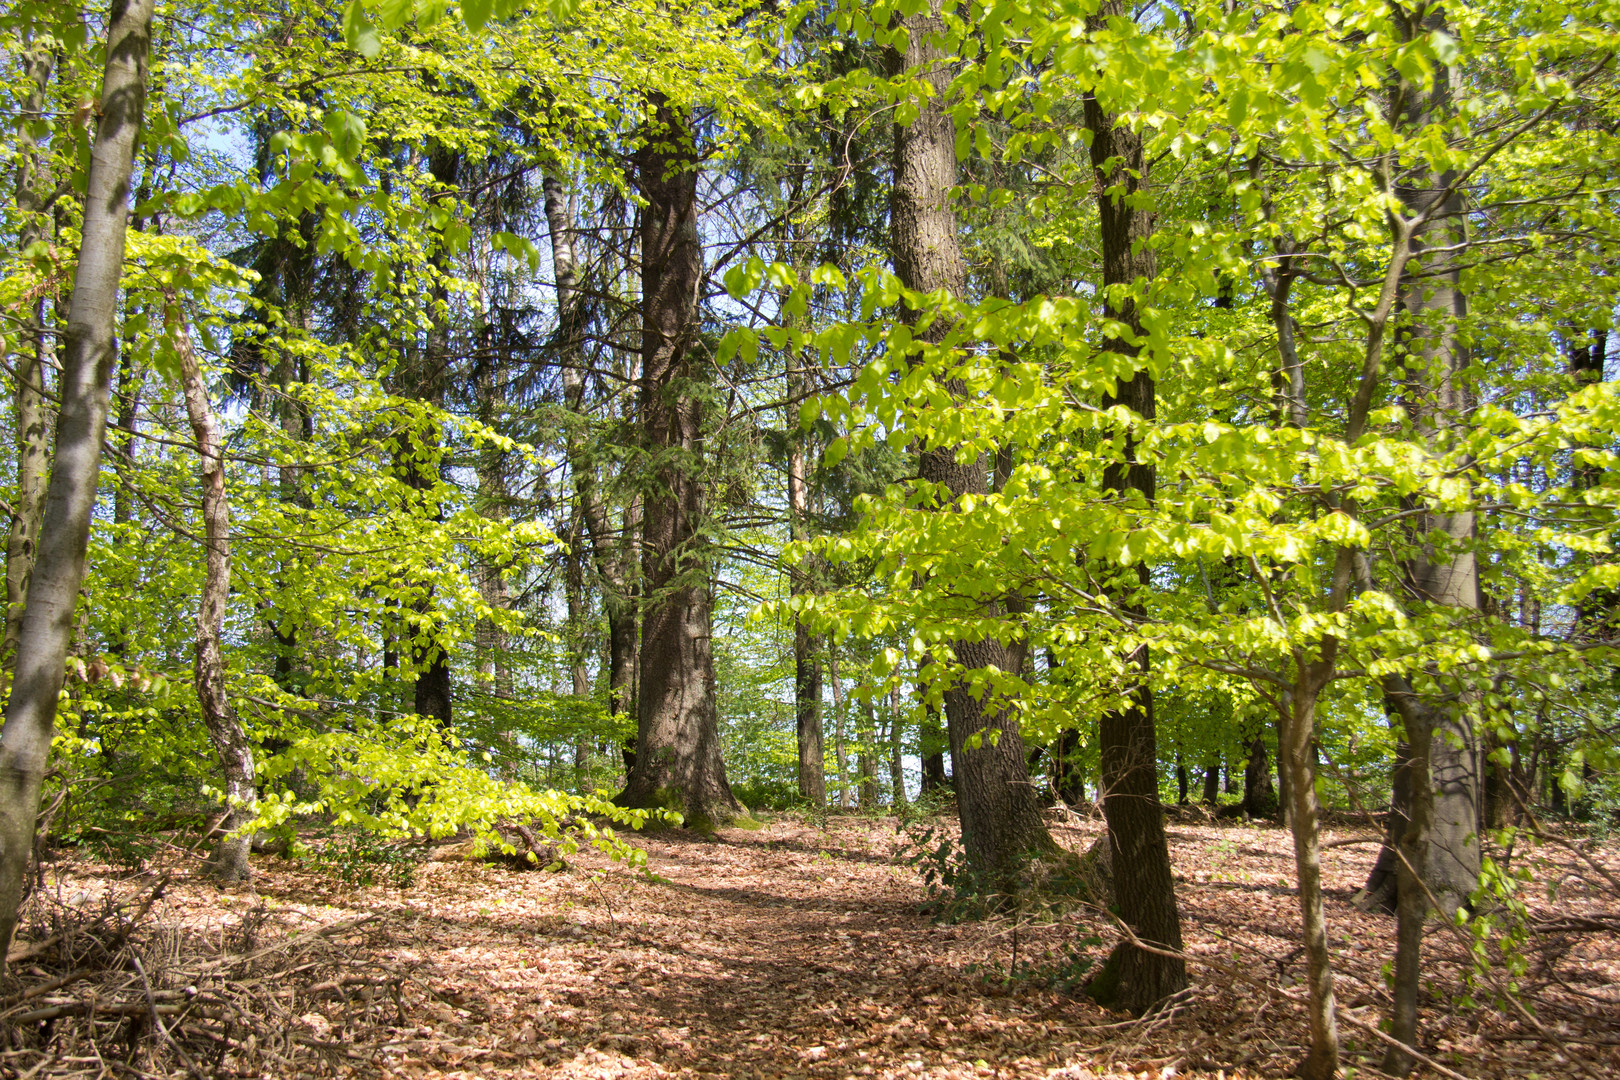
{"points": [[121, 992]]}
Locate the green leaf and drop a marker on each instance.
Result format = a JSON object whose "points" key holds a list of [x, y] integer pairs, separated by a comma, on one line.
{"points": [[359, 32], [347, 130], [475, 13]]}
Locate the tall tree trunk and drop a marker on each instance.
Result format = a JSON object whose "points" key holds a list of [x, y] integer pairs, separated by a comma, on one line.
{"points": [[897, 734], [32, 359], [1298, 760], [1212, 782], [866, 756], [611, 554], [999, 811], [229, 860], [806, 645], [678, 761], [88, 354], [1132, 978], [419, 459], [846, 790]]}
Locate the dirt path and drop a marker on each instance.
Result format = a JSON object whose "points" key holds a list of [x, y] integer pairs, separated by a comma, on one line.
{"points": [[800, 951]]}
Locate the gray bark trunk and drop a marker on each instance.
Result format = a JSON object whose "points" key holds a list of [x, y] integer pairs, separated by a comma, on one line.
{"points": [[997, 804], [32, 360], [678, 762], [88, 356], [229, 860]]}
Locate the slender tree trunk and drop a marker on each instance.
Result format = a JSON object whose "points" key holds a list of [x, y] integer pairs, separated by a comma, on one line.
{"points": [[229, 860], [32, 359], [1069, 770], [846, 790], [806, 645], [678, 761], [1297, 758], [1000, 814], [88, 354], [611, 554], [1132, 978], [866, 756], [897, 734], [1212, 783]]}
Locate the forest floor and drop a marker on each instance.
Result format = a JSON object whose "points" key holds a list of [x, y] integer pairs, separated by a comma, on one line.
{"points": [[794, 950]]}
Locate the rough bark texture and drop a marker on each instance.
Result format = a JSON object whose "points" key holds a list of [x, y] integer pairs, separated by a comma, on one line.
{"points": [[1132, 978], [1000, 813], [229, 860], [88, 354], [32, 360], [678, 762]]}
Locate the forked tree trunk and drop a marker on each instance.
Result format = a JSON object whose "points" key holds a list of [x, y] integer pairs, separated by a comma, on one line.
{"points": [[229, 860], [1000, 814], [88, 354], [678, 763], [1132, 978], [32, 360]]}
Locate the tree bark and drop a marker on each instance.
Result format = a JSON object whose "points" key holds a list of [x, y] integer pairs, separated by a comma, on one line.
{"points": [[806, 645], [1131, 978], [866, 755], [999, 811], [612, 555], [32, 360], [1259, 794], [678, 763], [229, 860], [88, 354], [897, 733], [1298, 759]]}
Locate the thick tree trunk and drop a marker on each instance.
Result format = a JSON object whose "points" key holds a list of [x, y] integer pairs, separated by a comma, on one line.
{"points": [[32, 359], [678, 763], [1000, 814], [88, 354], [1132, 978], [1259, 794], [229, 860], [1212, 783]]}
